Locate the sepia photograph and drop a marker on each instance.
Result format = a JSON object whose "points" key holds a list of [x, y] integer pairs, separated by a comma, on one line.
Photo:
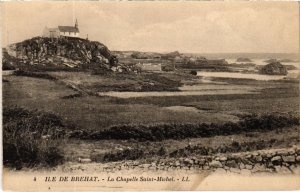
{"points": [[150, 95]]}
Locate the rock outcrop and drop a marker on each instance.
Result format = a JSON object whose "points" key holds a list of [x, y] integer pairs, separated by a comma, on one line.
{"points": [[68, 51], [145, 55], [243, 59], [171, 55], [274, 68]]}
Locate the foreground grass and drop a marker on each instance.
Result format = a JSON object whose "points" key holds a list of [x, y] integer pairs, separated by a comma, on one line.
{"points": [[35, 138], [31, 138], [98, 113], [148, 153], [249, 123], [118, 150], [92, 112]]}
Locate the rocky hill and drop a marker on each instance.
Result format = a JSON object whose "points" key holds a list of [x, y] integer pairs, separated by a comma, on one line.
{"points": [[67, 51]]}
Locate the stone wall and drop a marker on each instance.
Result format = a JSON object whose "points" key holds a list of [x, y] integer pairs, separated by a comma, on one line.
{"points": [[267, 161]]}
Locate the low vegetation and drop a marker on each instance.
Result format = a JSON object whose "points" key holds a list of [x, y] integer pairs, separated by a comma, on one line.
{"points": [[249, 123], [72, 96], [234, 147], [31, 138], [188, 151], [34, 74], [143, 82]]}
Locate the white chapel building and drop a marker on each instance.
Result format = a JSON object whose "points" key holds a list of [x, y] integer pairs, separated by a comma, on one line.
{"points": [[67, 31]]}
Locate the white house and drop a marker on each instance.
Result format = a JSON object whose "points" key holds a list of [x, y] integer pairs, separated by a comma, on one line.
{"points": [[149, 66], [67, 31]]}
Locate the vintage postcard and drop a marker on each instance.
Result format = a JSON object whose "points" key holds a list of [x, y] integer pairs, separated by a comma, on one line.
{"points": [[152, 95]]}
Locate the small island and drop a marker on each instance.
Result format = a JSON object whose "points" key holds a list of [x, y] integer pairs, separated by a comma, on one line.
{"points": [[243, 59], [274, 68]]}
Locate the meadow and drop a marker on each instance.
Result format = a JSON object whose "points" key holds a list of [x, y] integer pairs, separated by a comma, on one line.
{"points": [[73, 97]]}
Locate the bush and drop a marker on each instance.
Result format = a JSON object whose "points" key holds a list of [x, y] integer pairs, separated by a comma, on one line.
{"points": [[72, 96], [31, 138], [162, 151], [250, 123], [34, 74], [193, 72], [7, 66]]}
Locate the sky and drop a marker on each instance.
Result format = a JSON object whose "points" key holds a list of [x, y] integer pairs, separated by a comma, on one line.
{"points": [[189, 27]]}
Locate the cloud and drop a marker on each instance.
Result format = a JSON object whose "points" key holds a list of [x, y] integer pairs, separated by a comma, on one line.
{"points": [[163, 26], [245, 30]]}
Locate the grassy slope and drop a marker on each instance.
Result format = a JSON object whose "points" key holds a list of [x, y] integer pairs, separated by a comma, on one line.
{"points": [[123, 82], [91, 112]]}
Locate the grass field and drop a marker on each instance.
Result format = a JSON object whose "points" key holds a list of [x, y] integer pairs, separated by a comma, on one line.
{"points": [[92, 83], [91, 112], [64, 96], [90, 148]]}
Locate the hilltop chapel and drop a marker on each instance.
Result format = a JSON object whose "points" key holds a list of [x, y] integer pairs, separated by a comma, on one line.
{"points": [[66, 31]]}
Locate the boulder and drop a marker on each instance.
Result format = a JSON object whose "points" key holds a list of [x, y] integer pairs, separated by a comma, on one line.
{"points": [[201, 161], [282, 170], [258, 158], [258, 168], [231, 163], [242, 166], [234, 170], [274, 68], [215, 164], [276, 159], [188, 161], [289, 159], [220, 171], [223, 158]]}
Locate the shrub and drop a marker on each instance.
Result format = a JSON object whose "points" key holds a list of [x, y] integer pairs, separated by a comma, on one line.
{"points": [[248, 124], [7, 66], [193, 72], [31, 138], [162, 151], [24, 150], [72, 96]]}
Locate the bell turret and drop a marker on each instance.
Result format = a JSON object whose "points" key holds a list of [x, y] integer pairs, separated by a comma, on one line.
{"points": [[76, 24]]}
